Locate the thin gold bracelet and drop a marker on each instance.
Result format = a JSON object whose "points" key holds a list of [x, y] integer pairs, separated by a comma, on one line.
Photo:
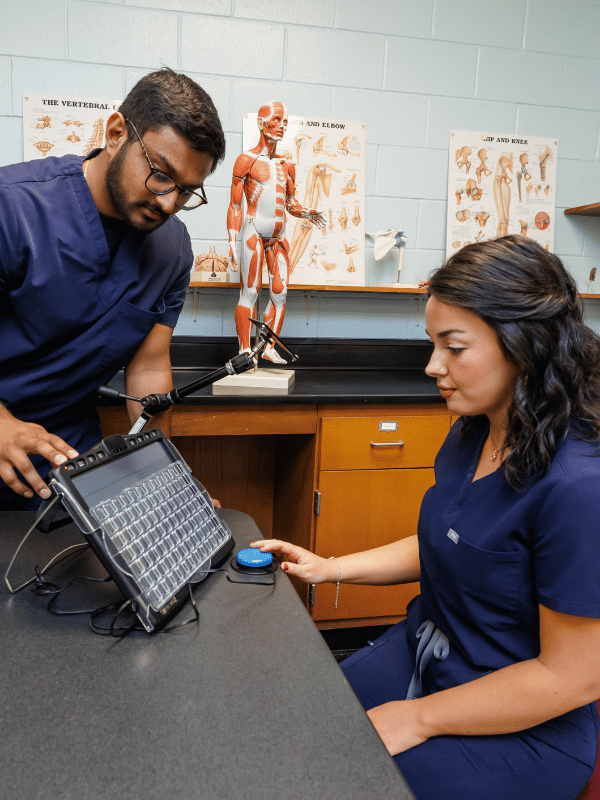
{"points": [[337, 586]]}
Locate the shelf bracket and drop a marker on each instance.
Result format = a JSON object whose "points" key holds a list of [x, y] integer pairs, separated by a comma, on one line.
{"points": [[418, 315], [307, 299], [195, 301]]}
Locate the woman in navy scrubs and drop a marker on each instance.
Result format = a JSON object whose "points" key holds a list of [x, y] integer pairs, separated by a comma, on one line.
{"points": [[488, 688]]}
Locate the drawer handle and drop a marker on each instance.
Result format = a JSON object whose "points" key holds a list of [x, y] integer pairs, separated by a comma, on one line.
{"points": [[387, 444]]}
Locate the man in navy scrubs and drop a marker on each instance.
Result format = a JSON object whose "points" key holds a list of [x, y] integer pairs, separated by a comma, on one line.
{"points": [[94, 266]]}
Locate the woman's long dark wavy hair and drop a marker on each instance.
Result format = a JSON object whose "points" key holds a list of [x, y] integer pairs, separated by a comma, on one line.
{"points": [[529, 299]]}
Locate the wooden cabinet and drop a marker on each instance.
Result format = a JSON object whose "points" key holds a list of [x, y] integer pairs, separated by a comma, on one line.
{"points": [[373, 470]]}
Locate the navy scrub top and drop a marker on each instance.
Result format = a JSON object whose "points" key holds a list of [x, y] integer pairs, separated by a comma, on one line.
{"points": [[69, 319], [490, 554]]}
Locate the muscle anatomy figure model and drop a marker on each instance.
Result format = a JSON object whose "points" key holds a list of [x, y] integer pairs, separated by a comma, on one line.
{"points": [[318, 184], [268, 183], [502, 183]]}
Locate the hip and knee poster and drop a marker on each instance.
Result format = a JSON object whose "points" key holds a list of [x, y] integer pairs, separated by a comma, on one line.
{"points": [[500, 184]]}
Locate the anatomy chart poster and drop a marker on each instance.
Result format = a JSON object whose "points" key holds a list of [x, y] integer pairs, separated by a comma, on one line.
{"points": [[59, 125], [330, 176], [500, 184]]}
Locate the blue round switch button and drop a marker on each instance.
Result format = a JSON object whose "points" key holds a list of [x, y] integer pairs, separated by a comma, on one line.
{"points": [[251, 557]]}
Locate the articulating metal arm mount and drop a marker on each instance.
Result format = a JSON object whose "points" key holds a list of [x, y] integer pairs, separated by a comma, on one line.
{"points": [[155, 403]]}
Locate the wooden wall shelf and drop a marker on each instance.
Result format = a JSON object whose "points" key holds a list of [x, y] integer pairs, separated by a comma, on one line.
{"points": [[378, 289], [296, 287], [592, 210]]}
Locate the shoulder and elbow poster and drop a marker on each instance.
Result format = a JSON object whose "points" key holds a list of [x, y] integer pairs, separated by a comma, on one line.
{"points": [[500, 184]]}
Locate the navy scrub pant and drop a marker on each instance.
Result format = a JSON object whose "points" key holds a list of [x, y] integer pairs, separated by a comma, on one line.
{"points": [[516, 766]]}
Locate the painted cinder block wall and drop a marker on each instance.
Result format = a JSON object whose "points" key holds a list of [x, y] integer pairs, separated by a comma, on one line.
{"points": [[411, 69]]}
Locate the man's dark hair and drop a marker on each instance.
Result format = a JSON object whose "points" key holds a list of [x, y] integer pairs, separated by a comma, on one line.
{"points": [[170, 98]]}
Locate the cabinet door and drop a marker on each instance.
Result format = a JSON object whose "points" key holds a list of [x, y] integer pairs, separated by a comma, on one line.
{"points": [[362, 509]]}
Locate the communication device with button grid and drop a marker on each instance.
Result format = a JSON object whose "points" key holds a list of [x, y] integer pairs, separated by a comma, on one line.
{"points": [[151, 524]]}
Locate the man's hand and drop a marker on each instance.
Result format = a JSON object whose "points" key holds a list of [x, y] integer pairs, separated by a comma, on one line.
{"points": [[20, 439]]}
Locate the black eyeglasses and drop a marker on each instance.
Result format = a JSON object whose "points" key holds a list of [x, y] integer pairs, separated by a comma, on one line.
{"points": [[159, 183]]}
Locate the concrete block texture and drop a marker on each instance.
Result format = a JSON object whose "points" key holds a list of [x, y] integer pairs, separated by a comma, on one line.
{"points": [[411, 71]]}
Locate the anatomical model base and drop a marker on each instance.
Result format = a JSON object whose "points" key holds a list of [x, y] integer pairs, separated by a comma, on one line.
{"points": [[329, 161], [511, 190]]}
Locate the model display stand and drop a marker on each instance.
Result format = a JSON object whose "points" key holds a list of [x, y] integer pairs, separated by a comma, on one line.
{"points": [[210, 277], [257, 382]]}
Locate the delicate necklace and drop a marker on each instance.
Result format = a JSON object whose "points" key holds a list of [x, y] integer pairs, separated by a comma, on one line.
{"points": [[496, 449], [85, 169]]}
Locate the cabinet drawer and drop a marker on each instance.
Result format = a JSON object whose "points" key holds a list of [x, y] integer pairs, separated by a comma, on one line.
{"points": [[358, 442]]}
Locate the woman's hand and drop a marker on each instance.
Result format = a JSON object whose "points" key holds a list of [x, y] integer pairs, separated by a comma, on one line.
{"points": [[398, 725], [299, 562]]}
